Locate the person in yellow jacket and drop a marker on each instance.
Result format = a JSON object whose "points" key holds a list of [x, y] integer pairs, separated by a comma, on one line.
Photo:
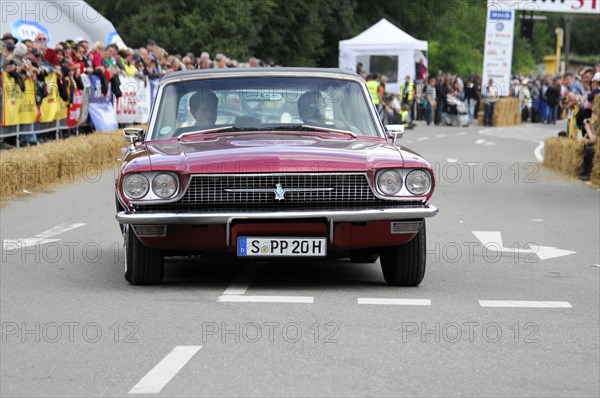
{"points": [[407, 91], [125, 62], [407, 94], [373, 86], [404, 119]]}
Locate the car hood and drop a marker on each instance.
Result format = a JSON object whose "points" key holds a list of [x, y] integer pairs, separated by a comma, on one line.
{"points": [[260, 153]]}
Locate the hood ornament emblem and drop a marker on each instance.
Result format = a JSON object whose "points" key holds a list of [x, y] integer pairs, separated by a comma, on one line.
{"points": [[279, 192]]}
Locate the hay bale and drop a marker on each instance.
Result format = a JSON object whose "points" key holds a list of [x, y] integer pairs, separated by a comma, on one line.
{"points": [[57, 162], [507, 112], [596, 169], [564, 155], [596, 124]]}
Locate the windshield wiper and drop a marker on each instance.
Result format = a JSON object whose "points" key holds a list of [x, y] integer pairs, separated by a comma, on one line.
{"points": [[283, 127], [327, 129], [310, 127], [205, 131]]}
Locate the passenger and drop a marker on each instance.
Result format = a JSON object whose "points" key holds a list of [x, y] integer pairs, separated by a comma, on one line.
{"points": [[311, 108], [203, 106]]}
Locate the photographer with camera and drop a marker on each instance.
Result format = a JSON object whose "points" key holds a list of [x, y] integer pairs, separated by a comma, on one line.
{"points": [[590, 129]]}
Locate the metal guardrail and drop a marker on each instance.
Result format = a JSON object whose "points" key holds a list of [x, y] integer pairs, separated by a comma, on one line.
{"points": [[35, 128]]}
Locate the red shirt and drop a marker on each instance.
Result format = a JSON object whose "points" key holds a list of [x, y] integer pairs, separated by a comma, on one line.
{"points": [[96, 59]]}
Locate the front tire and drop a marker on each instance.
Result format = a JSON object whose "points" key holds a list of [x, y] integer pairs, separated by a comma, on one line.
{"points": [[143, 265], [404, 265]]}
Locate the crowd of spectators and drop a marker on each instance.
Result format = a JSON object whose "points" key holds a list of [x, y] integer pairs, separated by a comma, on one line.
{"points": [[570, 97], [542, 99], [35, 59]]}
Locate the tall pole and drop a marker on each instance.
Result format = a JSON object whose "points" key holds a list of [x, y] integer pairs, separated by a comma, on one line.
{"points": [[568, 20], [559, 43]]}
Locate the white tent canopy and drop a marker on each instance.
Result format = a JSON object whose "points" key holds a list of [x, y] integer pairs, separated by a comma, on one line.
{"points": [[383, 48]]}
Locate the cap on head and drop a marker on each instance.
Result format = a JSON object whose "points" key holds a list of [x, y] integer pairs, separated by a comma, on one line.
{"points": [[9, 36]]}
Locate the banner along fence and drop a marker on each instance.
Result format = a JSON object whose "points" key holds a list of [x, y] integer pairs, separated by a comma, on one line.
{"points": [[21, 113]]}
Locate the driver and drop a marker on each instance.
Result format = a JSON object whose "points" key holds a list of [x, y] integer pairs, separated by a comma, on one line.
{"points": [[311, 108], [203, 106]]}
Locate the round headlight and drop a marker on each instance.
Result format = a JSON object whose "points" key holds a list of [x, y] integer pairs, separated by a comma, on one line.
{"points": [[418, 182], [164, 185], [389, 182], [135, 186]]}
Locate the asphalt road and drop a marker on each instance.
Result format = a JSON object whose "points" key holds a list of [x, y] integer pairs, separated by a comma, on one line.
{"points": [[509, 305]]}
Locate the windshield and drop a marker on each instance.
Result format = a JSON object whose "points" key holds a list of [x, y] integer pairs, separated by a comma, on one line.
{"points": [[259, 103]]}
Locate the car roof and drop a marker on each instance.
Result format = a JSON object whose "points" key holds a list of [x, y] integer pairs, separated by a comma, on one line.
{"points": [[266, 71]]}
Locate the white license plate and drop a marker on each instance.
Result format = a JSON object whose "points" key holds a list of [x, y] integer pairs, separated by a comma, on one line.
{"points": [[281, 247]]}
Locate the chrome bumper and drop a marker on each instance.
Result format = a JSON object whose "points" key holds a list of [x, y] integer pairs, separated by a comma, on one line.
{"points": [[226, 218]]}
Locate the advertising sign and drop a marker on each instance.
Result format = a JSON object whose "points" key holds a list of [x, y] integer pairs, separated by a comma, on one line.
{"points": [[565, 6], [497, 58]]}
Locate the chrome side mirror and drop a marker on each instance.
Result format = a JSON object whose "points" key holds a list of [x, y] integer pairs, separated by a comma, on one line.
{"points": [[395, 131], [133, 134]]}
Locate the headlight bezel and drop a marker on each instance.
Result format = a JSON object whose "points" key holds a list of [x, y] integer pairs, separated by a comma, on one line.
{"points": [[150, 194], [419, 172], [381, 174], [175, 183], [404, 193], [129, 177]]}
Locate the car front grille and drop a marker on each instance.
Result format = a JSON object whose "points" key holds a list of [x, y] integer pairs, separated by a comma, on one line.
{"points": [[257, 193]]}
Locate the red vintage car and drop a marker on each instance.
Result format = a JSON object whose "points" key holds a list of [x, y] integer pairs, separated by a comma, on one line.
{"points": [[271, 162]]}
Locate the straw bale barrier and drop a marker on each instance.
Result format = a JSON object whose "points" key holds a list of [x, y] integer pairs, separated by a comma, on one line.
{"points": [[35, 168], [563, 154], [507, 112], [596, 169], [566, 155]]}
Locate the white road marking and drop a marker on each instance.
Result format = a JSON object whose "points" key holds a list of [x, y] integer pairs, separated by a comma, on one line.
{"points": [[480, 141], [156, 379], [595, 265], [441, 135], [422, 138], [462, 133], [265, 299], [538, 152], [538, 220], [388, 301], [40, 238], [241, 283], [490, 143], [461, 222], [450, 160], [524, 304], [492, 240]]}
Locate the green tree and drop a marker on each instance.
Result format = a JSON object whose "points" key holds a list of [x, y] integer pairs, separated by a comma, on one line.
{"points": [[307, 33]]}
